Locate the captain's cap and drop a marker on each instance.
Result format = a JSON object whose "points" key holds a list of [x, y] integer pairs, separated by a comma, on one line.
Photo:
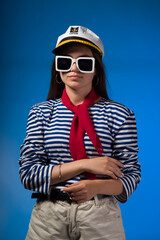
{"points": [[80, 35]]}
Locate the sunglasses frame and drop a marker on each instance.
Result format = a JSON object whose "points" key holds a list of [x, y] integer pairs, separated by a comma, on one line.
{"points": [[74, 61]]}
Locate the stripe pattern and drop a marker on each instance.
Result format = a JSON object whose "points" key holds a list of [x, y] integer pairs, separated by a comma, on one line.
{"points": [[47, 143]]}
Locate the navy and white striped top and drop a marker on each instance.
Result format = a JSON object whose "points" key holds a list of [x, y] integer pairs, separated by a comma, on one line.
{"points": [[47, 143]]}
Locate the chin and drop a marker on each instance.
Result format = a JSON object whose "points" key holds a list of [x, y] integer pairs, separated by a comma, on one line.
{"points": [[75, 85]]}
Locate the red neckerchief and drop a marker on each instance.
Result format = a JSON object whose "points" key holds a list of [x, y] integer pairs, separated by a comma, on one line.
{"points": [[82, 123]]}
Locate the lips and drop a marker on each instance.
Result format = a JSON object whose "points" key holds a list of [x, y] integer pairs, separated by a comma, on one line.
{"points": [[74, 76]]}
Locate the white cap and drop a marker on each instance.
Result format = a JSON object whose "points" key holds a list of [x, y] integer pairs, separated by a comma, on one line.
{"points": [[80, 35]]}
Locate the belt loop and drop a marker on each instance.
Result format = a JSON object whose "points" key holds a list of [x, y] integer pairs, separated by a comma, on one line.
{"points": [[96, 200]]}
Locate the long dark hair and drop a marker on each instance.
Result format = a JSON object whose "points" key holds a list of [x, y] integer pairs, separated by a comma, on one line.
{"points": [[99, 84]]}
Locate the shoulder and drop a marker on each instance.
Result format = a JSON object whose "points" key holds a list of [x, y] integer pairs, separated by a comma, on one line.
{"points": [[112, 111], [44, 109], [118, 115], [116, 108], [115, 113], [46, 105]]}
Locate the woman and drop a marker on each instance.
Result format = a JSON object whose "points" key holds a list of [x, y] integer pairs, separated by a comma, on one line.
{"points": [[80, 152]]}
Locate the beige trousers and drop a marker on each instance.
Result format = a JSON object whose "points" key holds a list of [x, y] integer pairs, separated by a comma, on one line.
{"points": [[98, 219]]}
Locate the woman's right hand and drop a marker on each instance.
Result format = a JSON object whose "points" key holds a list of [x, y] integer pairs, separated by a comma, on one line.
{"points": [[103, 165]]}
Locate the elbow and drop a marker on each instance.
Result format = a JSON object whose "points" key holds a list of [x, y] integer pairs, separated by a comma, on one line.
{"points": [[130, 183], [26, 177], [25, 181]]}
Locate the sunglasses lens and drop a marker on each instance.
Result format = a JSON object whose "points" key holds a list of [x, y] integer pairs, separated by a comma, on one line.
{"points": [[85, 64], [64, 63]]}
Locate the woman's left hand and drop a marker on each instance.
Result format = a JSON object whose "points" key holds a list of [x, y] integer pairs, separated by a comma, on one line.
{"points": [[81, 191]]}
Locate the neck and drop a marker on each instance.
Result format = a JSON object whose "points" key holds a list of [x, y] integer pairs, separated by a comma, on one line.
{"points": [[77, 96]]}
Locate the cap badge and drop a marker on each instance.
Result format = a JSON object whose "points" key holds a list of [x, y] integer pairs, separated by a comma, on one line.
{"points": [[74, 30]]}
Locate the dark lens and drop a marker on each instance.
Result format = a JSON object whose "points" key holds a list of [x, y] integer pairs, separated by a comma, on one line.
{"points": [[64, 63], [85, 64]]}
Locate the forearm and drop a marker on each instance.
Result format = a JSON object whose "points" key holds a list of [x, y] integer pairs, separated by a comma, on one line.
{"points": [[109, 187], [85, 190], [66, 171], [101, 165]]}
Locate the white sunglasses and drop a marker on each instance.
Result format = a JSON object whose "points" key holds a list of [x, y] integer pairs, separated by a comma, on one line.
{"points": [[84, 64]]}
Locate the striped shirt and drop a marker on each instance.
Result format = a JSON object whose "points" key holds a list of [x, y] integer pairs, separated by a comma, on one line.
{"points": [[47, 143]]}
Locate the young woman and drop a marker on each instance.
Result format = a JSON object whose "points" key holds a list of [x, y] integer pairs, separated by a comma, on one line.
{"points": [[80, 151]]}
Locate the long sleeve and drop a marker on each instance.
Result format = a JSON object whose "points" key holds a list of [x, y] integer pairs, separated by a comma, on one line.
{"points": [[125, 149], [35, 170]]}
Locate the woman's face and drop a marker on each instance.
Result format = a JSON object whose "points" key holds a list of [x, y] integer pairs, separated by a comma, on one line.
{"points": [[74, 78]]}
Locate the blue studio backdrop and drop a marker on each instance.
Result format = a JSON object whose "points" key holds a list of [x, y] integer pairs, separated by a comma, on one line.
{"points": [[130, 31]]}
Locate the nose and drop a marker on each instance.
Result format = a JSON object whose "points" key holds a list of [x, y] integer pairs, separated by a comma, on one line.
{"points": [[74, 68]]}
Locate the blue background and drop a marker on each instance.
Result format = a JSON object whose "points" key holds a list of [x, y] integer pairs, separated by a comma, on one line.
{"points": [[130, 31]]}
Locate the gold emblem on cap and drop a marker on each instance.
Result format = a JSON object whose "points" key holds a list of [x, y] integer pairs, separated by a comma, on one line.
{"points": [[74, 29]]}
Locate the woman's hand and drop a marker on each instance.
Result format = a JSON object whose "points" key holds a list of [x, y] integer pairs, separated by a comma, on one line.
{"points": [[81, 191], [103, 165]]}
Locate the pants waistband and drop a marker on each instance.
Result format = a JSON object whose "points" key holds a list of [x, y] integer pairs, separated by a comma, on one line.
{"points": [[58, 195], [55, 195]]}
